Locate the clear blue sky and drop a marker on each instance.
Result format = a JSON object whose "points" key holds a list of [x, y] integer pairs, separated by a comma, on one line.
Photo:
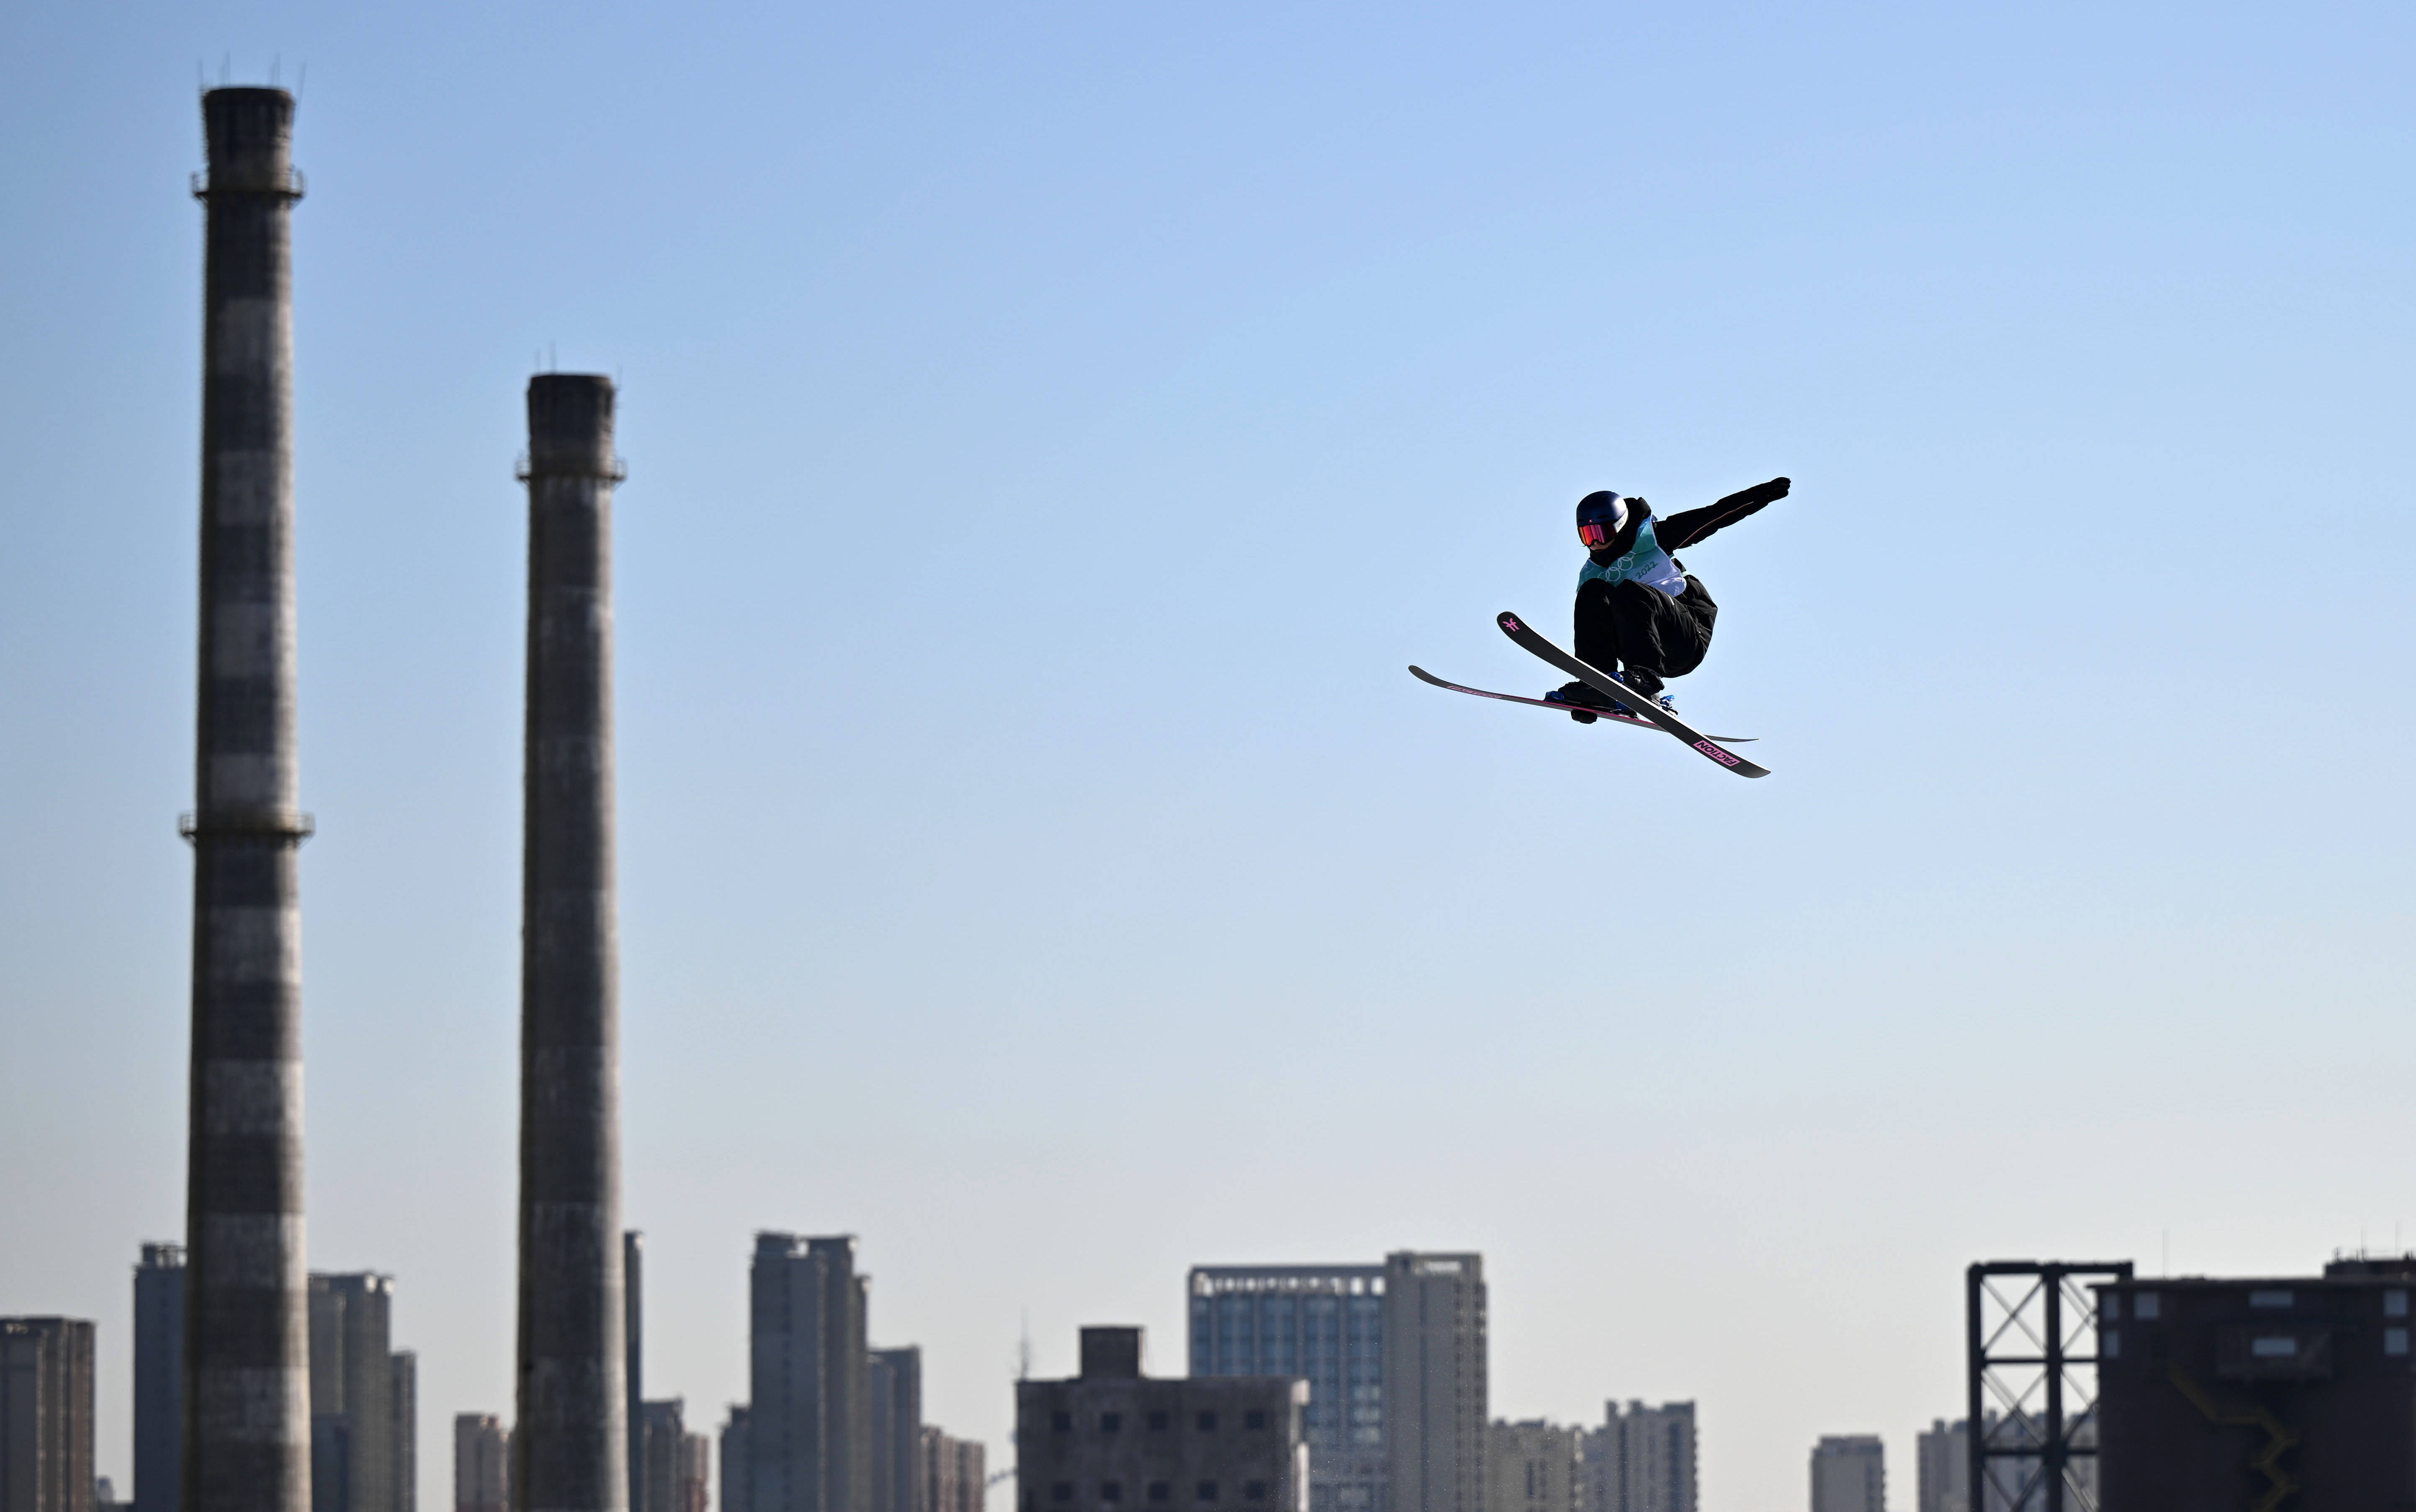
{"points": [[1052, 426]]}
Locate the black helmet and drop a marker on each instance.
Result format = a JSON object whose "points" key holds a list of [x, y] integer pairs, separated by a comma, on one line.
{"points": [[1601, 515]]}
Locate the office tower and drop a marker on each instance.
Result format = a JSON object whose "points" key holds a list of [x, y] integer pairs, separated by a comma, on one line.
{"points": [[809, 1437], [159, 1378], [1435, 1380], [570, 1445], [2222, 1393], [1323, 1322], [46, 1415], [1942, 1466], [364, 1399], [1850, 1475], [482, 1464], [1111, 1438], [1533, 1467], [893, 1388], [955, 1474], [247, 1402], [633, 1354], [737, 1492], [1642, 1459]]}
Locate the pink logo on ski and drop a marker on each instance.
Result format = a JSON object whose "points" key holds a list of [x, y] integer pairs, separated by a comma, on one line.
{"points": [[1715, 753]]}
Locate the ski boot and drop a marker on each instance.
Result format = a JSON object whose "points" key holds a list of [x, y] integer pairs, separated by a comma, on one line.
{"points": [[1647, 685], [1585, 703]]}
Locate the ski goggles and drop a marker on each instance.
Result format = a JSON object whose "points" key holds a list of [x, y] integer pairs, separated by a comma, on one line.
{"points": [[1595, 533]]}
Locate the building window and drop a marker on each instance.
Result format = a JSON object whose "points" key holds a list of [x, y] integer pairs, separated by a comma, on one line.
{"points": [[1061, 1491], [2110, 1343], [2395, 1341], [1207, 1491], [2268, 1299], [1160, 1490], [1254, 1419], [1254, 1491], [1207, 1424], [2395, 1304], [1111, 1491], [2146, 1307], [1157, 1422], [1060, 1422], [1111, 1422]]}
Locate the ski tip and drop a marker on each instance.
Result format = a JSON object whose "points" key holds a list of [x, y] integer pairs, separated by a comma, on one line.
{"points": [[1510, 623]]}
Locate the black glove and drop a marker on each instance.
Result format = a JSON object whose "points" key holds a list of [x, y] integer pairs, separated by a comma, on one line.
{"points": [[1757, 495]]}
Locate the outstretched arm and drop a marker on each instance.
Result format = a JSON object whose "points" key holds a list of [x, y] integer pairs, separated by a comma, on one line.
{"points": [[1679, 532]]}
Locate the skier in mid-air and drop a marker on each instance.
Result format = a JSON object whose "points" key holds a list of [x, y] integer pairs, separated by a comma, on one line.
{"points": [[1641, 614]]}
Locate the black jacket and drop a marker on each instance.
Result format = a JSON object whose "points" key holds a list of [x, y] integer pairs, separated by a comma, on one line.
{"points": [[1679, 532]]}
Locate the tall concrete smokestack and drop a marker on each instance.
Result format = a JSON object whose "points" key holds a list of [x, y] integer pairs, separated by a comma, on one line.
{"points": [[571, 1449], [246, 1405]]}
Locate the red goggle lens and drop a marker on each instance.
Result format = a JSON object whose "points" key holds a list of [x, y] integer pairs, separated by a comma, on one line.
{"points": [[1595, 534]]}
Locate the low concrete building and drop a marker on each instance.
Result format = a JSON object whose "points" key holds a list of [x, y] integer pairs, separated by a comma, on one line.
{"points": [[1111, 1439], [2297, 1391]]}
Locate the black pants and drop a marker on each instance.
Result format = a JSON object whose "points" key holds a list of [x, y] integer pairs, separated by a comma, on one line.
{"points": [[1644, 627]]}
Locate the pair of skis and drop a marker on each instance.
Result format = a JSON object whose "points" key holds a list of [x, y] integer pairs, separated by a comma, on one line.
{"points": [[1647, 712]]}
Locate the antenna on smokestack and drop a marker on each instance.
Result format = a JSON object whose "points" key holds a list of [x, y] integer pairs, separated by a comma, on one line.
{"points": [[1023, 1349]]}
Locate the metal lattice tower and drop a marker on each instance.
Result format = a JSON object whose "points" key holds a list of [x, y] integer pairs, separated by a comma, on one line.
{"points": [[2032, 1327]]}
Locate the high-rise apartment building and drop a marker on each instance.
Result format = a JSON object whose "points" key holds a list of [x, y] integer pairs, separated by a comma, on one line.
{"points": [[1435, 1382], [46, 1415], [893, 1385], [1943, 1467], [1850, 1475], [159, 1378], [1112, 1440], [1324, 1323], [1642, 1458], [482, 1463], [954, 1473], [678, 1464], [809, 1437], [1533, 1467], [364, 1399], [403, 1399], [737, 1464]]}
